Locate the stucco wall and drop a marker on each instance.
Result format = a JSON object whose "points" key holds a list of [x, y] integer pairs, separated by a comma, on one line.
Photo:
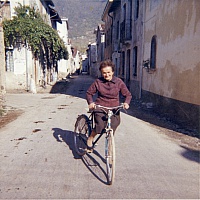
{"points": [[177, 27], [137, 41], [108, 45], [23, 70]]}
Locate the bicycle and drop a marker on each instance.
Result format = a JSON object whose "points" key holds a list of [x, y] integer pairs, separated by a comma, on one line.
{"points": [[83, 129]]}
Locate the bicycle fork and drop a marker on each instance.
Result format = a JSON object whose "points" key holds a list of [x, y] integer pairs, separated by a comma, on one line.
{"points": [[108, 132], [107, 139]]}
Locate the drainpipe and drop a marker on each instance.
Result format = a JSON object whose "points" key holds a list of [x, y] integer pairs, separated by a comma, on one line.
{"points": [[142, 55], [27, 68], [26, 60]]}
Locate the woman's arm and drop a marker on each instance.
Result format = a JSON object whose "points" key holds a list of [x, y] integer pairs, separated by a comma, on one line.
{"points": [[126, 93], [90, 93]]}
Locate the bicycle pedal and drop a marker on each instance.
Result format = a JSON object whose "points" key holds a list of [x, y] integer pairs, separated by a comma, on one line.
{"points": [[89, 150]]}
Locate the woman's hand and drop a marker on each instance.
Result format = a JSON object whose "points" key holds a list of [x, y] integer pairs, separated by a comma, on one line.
{"points": [[126, 106], [92, 106]]}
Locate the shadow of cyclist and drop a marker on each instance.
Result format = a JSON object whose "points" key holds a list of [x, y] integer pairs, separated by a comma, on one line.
{"points": [[67, 137], [95, 167], [89, 161]]}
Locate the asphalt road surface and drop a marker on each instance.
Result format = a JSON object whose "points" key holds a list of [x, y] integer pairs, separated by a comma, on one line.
{"points": [[38, 160]]}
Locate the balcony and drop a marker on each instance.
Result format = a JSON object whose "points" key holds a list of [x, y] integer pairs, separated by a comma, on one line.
{"points": [[125, 31]]}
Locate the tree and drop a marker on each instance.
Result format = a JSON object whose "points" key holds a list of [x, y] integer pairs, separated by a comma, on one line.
{"points": [[35, 34]]}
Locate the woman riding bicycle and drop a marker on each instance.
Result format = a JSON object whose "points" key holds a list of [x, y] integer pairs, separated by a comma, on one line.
{"points": [[108, 87]]}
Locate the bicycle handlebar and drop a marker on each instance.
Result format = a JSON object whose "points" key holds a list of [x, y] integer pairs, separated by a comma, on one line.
{"points": [[110, 108]]}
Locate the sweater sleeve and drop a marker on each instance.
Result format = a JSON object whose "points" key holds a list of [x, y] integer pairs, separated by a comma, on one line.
{"points": [[91, 92], [125, 92]]}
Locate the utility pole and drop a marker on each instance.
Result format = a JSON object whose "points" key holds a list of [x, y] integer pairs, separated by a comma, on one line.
{"points": [[2, 56]]}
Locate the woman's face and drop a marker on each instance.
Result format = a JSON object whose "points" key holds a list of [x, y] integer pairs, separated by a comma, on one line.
{"points": [[107, 73]]}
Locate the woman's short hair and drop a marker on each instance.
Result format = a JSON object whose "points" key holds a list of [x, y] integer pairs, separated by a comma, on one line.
{"points": [[107, 63]]}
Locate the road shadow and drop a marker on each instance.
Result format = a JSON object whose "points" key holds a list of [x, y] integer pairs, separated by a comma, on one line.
{"points": [[74, 86], [60, 87], [94, 166], [66, 136], [77, 85], [190, 154]]}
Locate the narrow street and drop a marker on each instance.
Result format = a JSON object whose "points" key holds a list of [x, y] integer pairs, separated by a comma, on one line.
{"points": [[38, 159]]}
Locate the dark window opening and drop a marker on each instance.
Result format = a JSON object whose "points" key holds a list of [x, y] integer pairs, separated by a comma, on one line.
{"points": [[116, 68], [117, 32], [128, 66], [136, 9], [105, 40], [124, 8], [123, 63], [153, 52], [135, 52]]}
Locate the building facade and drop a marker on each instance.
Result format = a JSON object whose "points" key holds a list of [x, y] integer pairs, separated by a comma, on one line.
{"points": [[107, 19], [64, 66], [22, 71], [158, 53], [92, 59], [172, 45], [100, 46]]}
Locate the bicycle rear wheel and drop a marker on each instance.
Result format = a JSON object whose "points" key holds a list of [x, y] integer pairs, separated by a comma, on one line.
{"points": [[110, 158], [81, 133]]}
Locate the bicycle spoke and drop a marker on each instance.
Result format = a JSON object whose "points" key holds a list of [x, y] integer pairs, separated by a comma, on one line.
{"points": [[81, 133], [110, 158]]}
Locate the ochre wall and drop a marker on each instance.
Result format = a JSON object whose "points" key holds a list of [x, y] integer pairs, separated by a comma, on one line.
{"points": [[177, 27]]}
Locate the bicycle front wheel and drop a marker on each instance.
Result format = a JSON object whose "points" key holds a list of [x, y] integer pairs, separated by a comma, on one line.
{"points": [[81, 133], [110, 157]]}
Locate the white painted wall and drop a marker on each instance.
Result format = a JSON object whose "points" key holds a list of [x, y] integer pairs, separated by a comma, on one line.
{"points": [[24, 66]]}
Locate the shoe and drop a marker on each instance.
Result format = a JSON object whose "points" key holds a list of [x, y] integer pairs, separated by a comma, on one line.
{"points": [[89, 145], [89, 149], [90, 142]]}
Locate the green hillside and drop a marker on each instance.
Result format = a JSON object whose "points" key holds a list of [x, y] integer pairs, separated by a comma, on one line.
{"points": [[83, 17]]}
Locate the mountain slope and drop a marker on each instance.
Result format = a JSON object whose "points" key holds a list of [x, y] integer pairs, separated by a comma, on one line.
{"points": [[83, 17]]}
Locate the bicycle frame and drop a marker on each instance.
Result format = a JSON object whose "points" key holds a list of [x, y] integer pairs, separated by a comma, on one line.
{"points": [[91, 121], [83, 131], [108, 128]]}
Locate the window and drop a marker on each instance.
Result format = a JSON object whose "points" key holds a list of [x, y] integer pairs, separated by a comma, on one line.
{"points": [[9, 60], [153, 52], [124, 9], [105, 40], [128, 66], [116, 68], [117, 31], [136, 13], [108, 35], [135, 52], [123, 63]]}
